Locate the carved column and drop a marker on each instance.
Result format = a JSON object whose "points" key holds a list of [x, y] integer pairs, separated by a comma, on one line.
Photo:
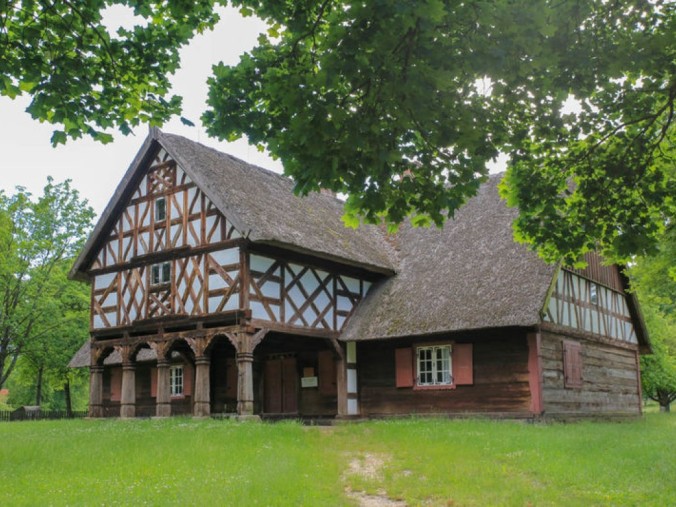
{"points": [[245, 391], [201, 406], [128, 401], [244, 344], [163, 399], [96, 391]]}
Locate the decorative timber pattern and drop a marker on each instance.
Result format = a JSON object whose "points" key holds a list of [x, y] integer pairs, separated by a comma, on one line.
{"points": [[166, 211], [148, 267], [298, 295], [198, 285], [589, 306]]}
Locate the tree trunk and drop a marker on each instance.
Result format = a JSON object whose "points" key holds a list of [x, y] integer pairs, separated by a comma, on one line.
{"points": [[38, 387], [66, 392], [664, 399]]}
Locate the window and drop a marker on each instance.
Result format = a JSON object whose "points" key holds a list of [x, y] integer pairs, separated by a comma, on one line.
{"points": [[176, 380], [160, 209], [593, 293], [434, 365], [160, 273]]}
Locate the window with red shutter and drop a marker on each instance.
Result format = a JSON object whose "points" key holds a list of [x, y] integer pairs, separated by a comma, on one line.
{"points": [[463, 365], [403, 359], [572, 364]]}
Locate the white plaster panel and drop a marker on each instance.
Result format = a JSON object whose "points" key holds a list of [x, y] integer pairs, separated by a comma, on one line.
{"points": [[351, 352], [232, 303], [101, 281], [260, 263], [351, 380], [226, 257], [352, 284], [352, 407]]}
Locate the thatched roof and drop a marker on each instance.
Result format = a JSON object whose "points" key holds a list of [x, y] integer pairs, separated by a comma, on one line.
{"points": [[82, 357], [468, 275], [259, 203]]}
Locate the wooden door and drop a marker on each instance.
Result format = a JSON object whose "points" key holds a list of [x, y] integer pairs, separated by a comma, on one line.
{"points": [[281, 386]]}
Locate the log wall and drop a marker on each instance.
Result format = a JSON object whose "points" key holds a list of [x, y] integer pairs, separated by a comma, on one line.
{"points": [[609, 379], [501, 382]]}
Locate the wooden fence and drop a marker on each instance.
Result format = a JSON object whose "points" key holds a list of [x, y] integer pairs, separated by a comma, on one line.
{"points": [[38, 415]]}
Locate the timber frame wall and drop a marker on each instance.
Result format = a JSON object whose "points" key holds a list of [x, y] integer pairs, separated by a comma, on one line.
{"points": [[174, 273]]}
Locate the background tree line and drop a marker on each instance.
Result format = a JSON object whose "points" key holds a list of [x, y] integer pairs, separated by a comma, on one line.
{"points": [[44, 317]]}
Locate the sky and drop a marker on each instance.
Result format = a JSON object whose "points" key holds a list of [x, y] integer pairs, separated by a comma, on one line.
{"points": [[28, 158]]}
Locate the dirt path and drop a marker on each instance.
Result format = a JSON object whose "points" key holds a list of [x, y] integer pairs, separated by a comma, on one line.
{"points": [[369, 466]]}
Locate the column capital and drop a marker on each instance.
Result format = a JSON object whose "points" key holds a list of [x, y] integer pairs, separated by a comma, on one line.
{"points": [[96, 368], [202, 360]]}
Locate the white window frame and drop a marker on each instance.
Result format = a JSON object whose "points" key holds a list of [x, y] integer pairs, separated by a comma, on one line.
{"points": [[432, 368], [160, 273], [159, 208], [176, 378]]}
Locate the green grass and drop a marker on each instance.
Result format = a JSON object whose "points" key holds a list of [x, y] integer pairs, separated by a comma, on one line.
{"points": [[424, 462]]}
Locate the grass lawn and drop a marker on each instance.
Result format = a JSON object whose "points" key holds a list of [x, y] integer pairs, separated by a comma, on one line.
{"points": [[420, 461]]}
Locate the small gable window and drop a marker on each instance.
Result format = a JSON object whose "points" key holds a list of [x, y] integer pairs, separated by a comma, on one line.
{"points": [[593, 294], [160, 209], [160, 273], [176, 380]]}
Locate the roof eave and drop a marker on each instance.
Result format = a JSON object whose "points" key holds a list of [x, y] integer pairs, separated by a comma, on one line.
{"points": [[379, 269], [111, 211]]}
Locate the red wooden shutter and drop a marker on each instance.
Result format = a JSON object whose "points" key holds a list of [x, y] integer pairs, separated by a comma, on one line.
{"points": [[153, 381], [572, 364], [327, 373], [403, 360], [188, 373], [230, 378], [463, 367]]}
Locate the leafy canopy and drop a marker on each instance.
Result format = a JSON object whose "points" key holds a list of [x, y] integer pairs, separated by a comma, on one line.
{"points": [[400, 105], [39, 238], [654, 279]]}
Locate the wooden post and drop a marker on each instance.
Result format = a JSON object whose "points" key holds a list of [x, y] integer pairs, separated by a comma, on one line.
{"points": [[201, 405], [128, 402], [96, 391], [244, 344], [534, 373], [245, 392], [163, 401], [341, 385]]}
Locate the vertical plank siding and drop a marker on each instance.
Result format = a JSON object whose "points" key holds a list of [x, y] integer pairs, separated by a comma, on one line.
{"points": [[609, 374], [584, 304], [500, 383], [605, 275]]}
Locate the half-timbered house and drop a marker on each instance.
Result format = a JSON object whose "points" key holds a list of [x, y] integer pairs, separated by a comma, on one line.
{"points": [[216, 290]]}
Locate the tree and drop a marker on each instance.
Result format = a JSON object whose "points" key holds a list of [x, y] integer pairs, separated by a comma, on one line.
{"points": [[37, 237], [400, 105], [654, 279], [63, 328]]}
